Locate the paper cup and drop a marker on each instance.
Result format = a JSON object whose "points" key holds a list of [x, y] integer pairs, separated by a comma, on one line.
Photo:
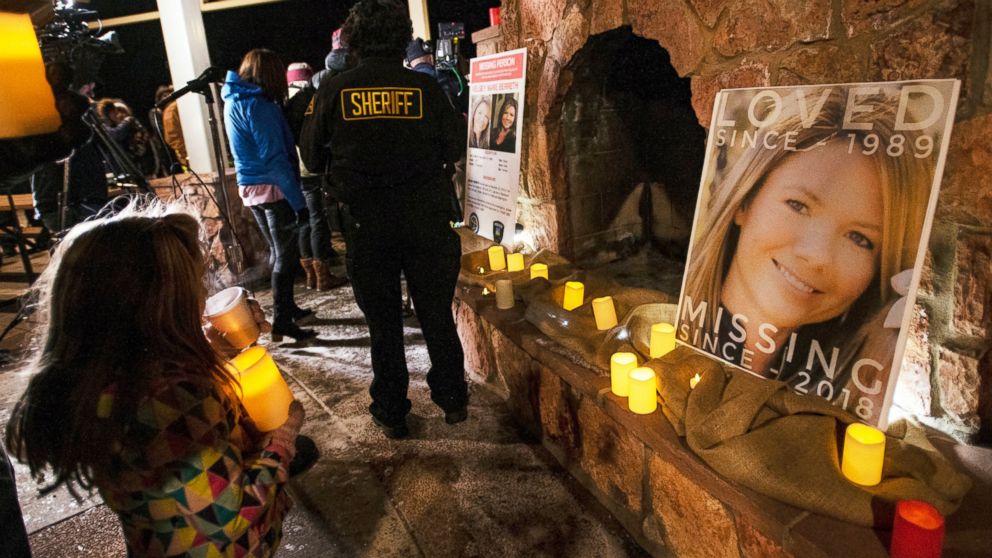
{"points": [[229, 313]]}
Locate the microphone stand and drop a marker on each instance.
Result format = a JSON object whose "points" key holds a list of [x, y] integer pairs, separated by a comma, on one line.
{"points": [[201, 84]]}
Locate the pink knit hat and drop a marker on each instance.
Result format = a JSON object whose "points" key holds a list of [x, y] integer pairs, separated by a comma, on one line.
{"points": [[298, 71]]}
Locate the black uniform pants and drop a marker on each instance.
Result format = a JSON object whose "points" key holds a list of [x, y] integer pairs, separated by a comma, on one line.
{"points": [[408, 235]]}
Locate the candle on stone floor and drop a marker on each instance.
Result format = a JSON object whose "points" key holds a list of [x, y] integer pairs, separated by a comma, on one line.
{"points": [[29, 106], [693, 381], [497, 258], [504, 294], [662, 339], [917, 531], [643, 389], [264, 392], [864, 453], [620, 366], [574, 295], [604, 312], [514, 262], [538, 270]]}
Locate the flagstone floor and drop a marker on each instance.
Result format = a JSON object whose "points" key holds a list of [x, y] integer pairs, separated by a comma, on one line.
{"points": [[480, 488]]}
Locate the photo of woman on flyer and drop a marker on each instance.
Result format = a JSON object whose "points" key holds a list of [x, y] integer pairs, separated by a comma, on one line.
{"points": [[479, 129], [802, 237], [504, 134]]}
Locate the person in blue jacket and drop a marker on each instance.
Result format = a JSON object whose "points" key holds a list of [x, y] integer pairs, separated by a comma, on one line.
{"points": [[268, 174]]}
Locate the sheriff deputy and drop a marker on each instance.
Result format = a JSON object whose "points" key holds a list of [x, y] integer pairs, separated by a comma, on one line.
{"points": [[388, 138]]}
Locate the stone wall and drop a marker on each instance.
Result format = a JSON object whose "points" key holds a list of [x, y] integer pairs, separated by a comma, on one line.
{"points": [[671, 502], [749, 43], [239, 259]]}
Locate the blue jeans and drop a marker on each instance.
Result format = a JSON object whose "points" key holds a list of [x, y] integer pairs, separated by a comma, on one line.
{"points": [[278, 224], [315, 236]]}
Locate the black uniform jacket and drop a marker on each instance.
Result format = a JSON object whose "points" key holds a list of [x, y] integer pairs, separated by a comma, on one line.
{"points": [[381, 126]]}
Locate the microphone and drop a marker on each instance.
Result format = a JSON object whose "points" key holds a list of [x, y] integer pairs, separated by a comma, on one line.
{"points": [[198, 84]]}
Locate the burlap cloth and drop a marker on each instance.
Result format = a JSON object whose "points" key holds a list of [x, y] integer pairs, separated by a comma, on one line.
{"points": [[756, 432]]}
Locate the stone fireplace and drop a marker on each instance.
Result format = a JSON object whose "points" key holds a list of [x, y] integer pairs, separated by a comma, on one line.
{"points": [[633, 149], [597, 178]]}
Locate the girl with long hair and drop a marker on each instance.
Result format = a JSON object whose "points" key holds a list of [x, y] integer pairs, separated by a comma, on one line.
{"points": [[268, 174], [129, 396]]}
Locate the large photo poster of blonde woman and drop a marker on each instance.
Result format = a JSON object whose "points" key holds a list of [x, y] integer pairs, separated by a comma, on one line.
{"points": [[811, 226], [495, 123]]}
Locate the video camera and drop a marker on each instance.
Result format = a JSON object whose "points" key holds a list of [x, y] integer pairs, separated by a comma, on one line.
{"points": [[448, 35], [68, 39]]}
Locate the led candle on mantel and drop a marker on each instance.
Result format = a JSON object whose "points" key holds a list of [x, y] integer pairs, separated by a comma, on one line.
{"points": [[864, 453], [538, 270], [643, 389], [662, 339], [918, 530], [620, 366], [497, 258], [514, 262], [264, 392], [604, 312], [504, 294], [574, 295], [27, 99]]}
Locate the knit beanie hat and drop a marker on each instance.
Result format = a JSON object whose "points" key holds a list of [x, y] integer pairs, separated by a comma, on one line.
{"points": [[298, 71]]}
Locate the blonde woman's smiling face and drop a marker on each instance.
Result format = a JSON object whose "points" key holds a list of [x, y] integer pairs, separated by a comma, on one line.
{"points": [[809, 240], [480, 119]]}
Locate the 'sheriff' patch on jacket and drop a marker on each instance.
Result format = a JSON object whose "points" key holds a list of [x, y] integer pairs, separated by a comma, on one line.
{"points": [[382, 102], [382, 127]]}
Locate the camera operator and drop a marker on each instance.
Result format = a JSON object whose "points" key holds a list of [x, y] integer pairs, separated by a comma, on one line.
{"points": [[420, 58]]}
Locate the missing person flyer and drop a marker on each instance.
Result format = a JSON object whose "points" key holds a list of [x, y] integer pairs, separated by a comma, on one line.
{"points": [[495, 125], [811, 226]]}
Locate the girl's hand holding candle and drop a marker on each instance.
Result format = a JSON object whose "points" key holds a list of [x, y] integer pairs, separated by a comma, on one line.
{"points": [[497, 258], [264, 392], [604, 312]]}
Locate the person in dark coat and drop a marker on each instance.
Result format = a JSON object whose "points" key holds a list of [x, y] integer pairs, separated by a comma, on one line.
{"points": [[389, 139]]}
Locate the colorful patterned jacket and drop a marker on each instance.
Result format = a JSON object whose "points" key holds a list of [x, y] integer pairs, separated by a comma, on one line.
{"points": [[191, 481]]}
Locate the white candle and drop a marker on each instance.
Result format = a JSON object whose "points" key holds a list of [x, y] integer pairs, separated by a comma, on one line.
{"points": [[643, 387], [504, 294], [574, 295], [662, 339], [497, 258], [538, 270], [604, 312], [515, 262], [264, 393], [864, 454], [620, 366]]}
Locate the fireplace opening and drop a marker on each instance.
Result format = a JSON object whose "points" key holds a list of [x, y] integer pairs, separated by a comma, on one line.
{"points": [[633, 153]]}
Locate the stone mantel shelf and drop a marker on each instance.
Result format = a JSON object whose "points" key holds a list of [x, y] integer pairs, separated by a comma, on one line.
{"points": [[791, 530]]}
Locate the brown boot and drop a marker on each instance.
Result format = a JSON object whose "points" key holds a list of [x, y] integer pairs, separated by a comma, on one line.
{"points": [[325, 279], [307, 264]]}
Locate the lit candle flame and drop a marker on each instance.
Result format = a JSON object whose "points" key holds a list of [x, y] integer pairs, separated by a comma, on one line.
{"points": [[485, 291], [482, 271], [693, 381]]}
